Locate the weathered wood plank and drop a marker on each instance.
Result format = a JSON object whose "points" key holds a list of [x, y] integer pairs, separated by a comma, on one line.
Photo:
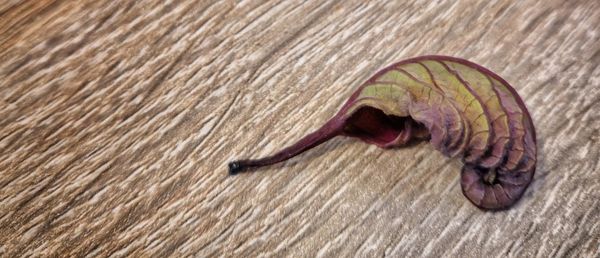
{"points": [[117, 119]]}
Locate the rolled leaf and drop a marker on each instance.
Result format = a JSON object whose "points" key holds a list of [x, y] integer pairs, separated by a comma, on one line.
{"points": [[464, 109]]}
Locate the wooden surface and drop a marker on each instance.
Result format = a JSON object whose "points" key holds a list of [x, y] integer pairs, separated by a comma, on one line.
{"points": [[117, 119]]}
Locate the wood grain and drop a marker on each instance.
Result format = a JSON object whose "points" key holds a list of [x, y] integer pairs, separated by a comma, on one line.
{"points": [[117, 119]]}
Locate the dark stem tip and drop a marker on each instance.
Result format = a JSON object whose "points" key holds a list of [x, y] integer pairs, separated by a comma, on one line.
{"points": [[235, 167]]}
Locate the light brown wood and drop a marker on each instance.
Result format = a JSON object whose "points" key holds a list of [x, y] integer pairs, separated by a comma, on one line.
{"points": [[117, 119]]}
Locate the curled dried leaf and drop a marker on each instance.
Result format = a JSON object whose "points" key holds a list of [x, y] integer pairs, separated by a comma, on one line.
{"points": [[462, 108]]}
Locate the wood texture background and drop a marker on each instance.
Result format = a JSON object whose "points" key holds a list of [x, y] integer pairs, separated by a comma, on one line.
{"points": [[117, 119]]}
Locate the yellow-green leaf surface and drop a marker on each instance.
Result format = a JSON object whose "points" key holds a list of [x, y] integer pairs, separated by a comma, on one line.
{"points": [[468, 111]]}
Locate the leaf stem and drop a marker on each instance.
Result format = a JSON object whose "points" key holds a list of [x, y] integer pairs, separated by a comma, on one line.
{"points": [[329, 130]]}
